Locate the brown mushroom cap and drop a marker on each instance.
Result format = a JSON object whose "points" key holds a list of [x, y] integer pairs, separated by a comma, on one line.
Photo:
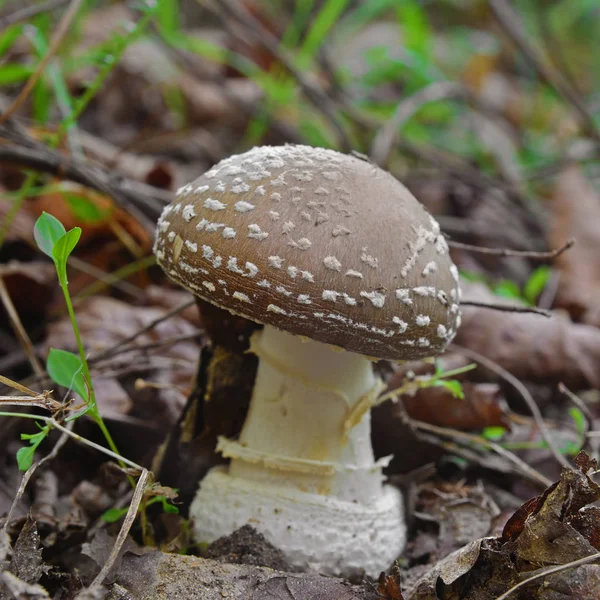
{"points": [[316, 243]]}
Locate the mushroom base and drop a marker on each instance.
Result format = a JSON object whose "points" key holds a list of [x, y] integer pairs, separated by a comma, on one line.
{"points": [[329, 535]]}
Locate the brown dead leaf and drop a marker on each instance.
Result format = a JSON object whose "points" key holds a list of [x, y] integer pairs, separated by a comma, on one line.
{"points": [[103, 322], [575, 214], [27, 563], [531, 347], [389, 586], [552, 529], [62, 203], [481, 407]]}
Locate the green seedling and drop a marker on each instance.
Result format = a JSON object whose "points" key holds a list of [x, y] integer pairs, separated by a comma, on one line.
{"points": [[112, 515], [65, 368], [497, 433], [25, 454], [506, 288], [439, 378]]}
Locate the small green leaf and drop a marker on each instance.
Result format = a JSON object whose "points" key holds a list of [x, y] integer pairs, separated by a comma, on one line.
{"points": [[66, 244], [84, 209], [47, 231], [579, 419], [536, 283], [453, 386], [62, 250], [34, 438], [168, 507], [493, 433], [25, 457], [112, 515], [507, 289], [65, 368]]}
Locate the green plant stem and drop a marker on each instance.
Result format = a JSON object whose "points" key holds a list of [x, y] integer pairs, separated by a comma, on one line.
{"points": [[56, 425], [93, 412]]}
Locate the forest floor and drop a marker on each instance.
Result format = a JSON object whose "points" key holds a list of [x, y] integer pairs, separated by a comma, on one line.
{"points": [[489, 114]]}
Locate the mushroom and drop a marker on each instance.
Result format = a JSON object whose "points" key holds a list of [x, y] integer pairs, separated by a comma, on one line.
{"points": [[342, 266]]}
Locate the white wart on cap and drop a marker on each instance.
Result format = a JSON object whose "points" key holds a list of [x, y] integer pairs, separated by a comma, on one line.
{"points": [[316, 243]]}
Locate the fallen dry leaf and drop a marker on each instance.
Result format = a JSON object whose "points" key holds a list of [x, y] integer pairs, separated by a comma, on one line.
{"points": [[63, 203], [544, 532], [104, 322], [531, 347], [576, 214], [27, 563], [389, 586]]}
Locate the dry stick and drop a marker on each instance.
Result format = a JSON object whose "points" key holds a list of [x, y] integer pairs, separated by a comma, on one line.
{"points": [[136, 499], [15, 385], [513, 458], [25, 14], [508, 308], [509, 20], [458, 435], [61, 30], [508, 252], [533, 407], [39, 401], [580, 404], [129, 195], [19, 330], [550, 571], [107, 353], [387, 134], [27, 475], [107, 279], [155, 345]]}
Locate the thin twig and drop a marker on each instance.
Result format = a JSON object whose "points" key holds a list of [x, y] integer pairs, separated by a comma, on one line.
{"points": [[533, 407], [462, 437], [134, 505], [510, 22], [387, 134], [550, 571], [56, 425], [580, 404], [43, 401], [509, 252], [15, 385], [508, 308], [36, 465], [155, 345], [61, 31], [104, 279], [27, 13], [19, 330], [473, 438], [131, 196], [108, 352]]}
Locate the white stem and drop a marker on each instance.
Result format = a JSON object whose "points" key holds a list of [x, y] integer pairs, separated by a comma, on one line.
{"points": [[308, 425]]}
